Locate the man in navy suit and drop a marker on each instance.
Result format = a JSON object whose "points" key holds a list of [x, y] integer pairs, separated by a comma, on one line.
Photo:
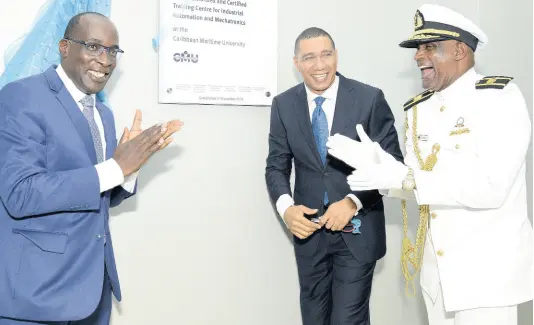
{"points": [[338, 234], [60, 172]]}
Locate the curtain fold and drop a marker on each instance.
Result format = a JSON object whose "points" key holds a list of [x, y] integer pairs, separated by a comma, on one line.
{"points": [[37, 50]]}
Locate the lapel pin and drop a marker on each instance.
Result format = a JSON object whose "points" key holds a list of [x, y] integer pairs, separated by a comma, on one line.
{"points": [[460, 129]]}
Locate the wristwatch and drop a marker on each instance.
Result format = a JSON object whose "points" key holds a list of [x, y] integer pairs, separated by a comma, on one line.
{"points": [[408, 184]]}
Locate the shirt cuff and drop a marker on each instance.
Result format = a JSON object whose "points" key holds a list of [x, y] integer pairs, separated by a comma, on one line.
{"points": [[109, 175], [357, 201], [283, 203], [129, 182]]}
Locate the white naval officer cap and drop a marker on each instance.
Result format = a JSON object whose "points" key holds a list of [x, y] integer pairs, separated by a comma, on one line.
{"points": [[437, 23]]}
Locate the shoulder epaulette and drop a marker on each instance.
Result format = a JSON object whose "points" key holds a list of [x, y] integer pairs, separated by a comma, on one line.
{"points": [[493, 82], [418, 99]]}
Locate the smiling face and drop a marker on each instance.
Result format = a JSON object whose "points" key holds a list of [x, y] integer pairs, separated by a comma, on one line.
{"points": [[316, 60], [440, 63], [89, 72]]}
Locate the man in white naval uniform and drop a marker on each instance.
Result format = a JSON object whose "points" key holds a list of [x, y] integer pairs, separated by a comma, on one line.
{"points": [[467, 137]]}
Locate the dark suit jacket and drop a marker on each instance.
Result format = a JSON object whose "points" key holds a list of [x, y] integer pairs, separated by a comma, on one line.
{"points": [[291, 137], [52, 215]]}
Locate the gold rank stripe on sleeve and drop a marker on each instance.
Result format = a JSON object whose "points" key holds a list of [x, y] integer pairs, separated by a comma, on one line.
{"points": [[493, 82], [418, 99]]}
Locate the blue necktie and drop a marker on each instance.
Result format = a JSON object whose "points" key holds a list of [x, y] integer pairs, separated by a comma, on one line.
{"points": [[88, 111], [320, 132]]}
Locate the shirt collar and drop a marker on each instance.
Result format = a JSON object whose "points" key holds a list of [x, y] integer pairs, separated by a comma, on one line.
{"points": [[329, 93], [466, 81], [76, 93]]}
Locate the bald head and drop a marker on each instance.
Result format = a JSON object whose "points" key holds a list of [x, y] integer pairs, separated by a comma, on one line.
{"points": [[77, 22]]}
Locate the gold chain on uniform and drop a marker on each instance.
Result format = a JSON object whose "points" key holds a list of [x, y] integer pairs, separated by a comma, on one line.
{"points": [[413, 254]]}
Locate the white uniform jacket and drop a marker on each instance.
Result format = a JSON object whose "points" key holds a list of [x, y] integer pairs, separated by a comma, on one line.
{"points": [[479, 241]]}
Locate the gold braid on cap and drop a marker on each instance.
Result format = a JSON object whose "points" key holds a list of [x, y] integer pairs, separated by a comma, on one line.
{"points": [[414, 254]]}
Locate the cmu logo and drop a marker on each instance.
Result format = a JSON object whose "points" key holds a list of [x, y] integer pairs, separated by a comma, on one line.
{"points": [[185, 57]]}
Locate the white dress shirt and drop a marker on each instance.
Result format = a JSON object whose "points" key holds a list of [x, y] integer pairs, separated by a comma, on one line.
{"points": [[109, 172], [329, 107]]}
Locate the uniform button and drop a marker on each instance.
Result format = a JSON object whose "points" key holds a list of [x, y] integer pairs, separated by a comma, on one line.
{"points": [[457, 146], [442, 108], [99, 236], [433, 215], [440, 252]]}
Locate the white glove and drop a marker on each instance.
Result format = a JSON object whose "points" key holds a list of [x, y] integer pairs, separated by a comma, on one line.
{"points": [[387, 174], [378, 177], [375, 168], [354, 153]]}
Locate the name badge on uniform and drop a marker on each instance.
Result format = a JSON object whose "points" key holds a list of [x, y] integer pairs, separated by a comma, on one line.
{"points": [[422, 137]]}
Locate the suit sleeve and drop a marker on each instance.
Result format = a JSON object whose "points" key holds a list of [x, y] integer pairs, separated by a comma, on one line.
{"points": [[124, 191], [381, 129], [119, 194], [278, 170], [27, 188], [484, 180]]}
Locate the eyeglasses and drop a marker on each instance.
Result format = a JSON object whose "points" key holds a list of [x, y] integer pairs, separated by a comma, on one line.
{"points": [[352, 227], [95, 49]]}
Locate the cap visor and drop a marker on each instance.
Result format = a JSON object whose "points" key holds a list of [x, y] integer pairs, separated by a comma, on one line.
{"points": [[414, 43]]}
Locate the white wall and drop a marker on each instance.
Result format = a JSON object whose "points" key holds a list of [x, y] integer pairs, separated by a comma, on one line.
{"points": [[200, 243]]}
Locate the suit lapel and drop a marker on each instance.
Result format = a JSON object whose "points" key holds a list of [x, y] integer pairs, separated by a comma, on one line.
{"points": [[302, 111], [73, 110], [79, 121], [107, 122], [344, 111]]}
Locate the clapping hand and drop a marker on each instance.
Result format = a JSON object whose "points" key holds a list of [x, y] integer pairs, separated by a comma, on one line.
{"points": [[136, 145], [354, 153], [136, 129], [375, 168]]}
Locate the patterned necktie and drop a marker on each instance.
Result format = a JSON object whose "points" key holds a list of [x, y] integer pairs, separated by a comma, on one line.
{"points": [[88, 111], [320, 132]]}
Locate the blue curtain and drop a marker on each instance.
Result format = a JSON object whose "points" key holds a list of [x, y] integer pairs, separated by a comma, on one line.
{"points": [[37, 50]]}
